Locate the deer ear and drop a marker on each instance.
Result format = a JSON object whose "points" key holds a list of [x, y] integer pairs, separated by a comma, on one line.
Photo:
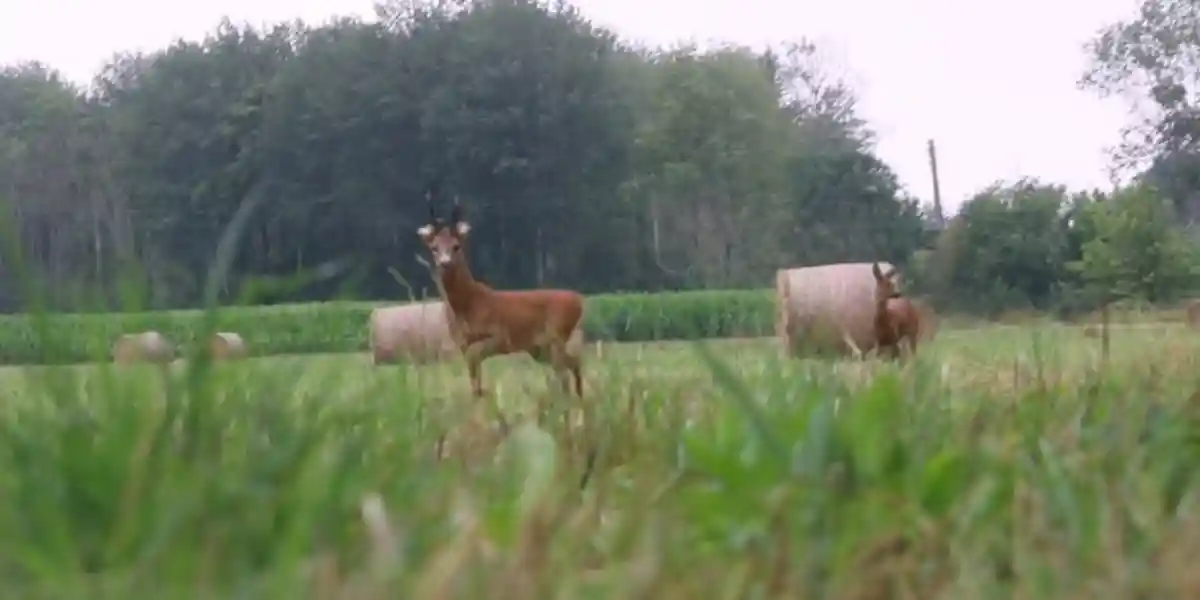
{"points": [[425, 232], [462, 228], [876, 272]]}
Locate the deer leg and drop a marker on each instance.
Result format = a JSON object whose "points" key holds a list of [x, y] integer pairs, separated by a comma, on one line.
{"points": [[567, 365], [475, 353], [546, 355], [475, 371], [577, 374]]}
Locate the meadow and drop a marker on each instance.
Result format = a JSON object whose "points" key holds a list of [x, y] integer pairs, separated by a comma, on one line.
{"points": [[1005, 462]]}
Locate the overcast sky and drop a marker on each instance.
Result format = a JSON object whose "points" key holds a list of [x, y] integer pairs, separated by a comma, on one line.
{"points": [[992, 83]]}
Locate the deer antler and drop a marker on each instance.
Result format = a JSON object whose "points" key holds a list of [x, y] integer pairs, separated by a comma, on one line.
{"points": [[433, 218]]}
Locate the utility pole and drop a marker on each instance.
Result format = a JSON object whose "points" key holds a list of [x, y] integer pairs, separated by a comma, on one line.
{"points": [[937, 188]]}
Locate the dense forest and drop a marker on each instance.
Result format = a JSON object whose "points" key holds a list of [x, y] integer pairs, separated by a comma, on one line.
{"points": [[581, 159]]}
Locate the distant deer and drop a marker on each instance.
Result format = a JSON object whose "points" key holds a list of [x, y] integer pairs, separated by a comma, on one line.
{"points": [[546, 324], [896, 319]]}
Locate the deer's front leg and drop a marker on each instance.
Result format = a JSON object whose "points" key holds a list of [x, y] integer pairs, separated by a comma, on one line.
{"points": [[475, 353]]}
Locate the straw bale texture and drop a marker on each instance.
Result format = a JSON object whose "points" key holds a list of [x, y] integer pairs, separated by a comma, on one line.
{"points": [[827, 309], [147, 346], [412, 333], [226, 345]]}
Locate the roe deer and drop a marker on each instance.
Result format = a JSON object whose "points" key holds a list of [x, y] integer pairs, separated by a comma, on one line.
{"points": [[896, 319], [546, 324]]}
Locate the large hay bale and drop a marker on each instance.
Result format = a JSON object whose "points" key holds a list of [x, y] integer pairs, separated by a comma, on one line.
{"points": [[226, 345], [147, 346], [412, 333], [828, 309], [1193, 314]]}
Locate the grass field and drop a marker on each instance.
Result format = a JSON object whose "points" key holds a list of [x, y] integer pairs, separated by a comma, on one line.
{"points": [[1007, 462]]}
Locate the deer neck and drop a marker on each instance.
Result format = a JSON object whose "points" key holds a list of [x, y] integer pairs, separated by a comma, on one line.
{"points": [[881, 306], [459, 288]]}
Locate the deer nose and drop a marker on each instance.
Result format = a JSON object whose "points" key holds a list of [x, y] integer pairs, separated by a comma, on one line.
{"points": [[443, 260]]}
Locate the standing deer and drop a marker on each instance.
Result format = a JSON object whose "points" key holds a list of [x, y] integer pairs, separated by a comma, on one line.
{"points": [[485, 322], [896, 319]]}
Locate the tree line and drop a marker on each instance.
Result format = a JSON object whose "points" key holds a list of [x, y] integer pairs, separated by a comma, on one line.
{"points": [[1036, 245], [584, 160]]}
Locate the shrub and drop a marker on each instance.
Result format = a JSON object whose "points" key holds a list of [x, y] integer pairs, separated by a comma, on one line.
{"points": [[680, 315], [289, 329], [338, 327]]}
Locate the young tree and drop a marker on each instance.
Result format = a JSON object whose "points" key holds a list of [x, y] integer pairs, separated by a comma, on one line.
{"points": [[1136, 252]]}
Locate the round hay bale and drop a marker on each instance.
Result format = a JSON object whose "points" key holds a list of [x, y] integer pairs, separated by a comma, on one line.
{"points": [[1193, 314], [226, 345], [827, 309], [147, 346], [411, 333]]}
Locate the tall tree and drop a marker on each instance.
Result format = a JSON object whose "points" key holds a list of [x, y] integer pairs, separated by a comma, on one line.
{"points": [[188, 121], [1006, 249], [1153, 61], [584, 161]]}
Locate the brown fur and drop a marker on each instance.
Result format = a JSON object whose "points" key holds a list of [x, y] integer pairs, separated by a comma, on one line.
{"points": [[897, 320], [488, 322]]}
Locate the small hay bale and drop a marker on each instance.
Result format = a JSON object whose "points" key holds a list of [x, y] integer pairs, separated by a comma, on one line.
{"points": [[828, 309], [226, 345], [1193, 314], [411, 333], [147, 346]]}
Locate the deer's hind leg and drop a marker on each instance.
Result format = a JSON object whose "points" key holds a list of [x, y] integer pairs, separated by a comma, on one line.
{"points": [[911, 345], [566, 366]]}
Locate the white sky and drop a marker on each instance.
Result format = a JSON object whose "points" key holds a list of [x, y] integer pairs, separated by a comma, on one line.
{"points": [[992, 83]]}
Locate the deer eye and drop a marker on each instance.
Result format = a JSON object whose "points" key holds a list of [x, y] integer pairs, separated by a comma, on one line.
{"points": [[456, 247]]}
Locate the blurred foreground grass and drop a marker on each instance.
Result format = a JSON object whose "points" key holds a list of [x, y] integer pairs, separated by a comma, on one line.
{"points": [[1005, 463]]}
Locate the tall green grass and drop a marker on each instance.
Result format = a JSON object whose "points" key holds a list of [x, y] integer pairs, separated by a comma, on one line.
{"points": [[999, 465], [740, 477]]}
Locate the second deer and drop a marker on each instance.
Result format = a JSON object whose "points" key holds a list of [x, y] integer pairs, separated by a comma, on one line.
{"points": [[897, 321], [546, 324]]}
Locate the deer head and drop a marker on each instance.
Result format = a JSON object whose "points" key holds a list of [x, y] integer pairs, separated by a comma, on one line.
{"points": [[445, 240], [885, 283]]}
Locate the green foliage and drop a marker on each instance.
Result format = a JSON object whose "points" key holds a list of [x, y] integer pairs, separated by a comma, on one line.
{"points": [[289, 329], [318, 478], [1006, 249], [583, 162], [1149, 61], [338, 327], [1136, 252], [680, 315]]}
